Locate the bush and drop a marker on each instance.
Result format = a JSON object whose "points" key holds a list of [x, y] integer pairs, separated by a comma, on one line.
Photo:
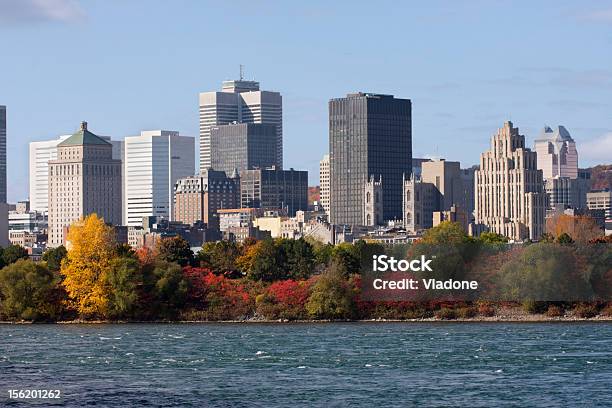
{"points": [[533, 307], [554, 311], [466, 312], [446, 314], [606, 311], [485, 309], [585, 311]]}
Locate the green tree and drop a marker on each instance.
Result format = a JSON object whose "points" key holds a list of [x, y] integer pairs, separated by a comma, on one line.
{"points": [[565, 239], [300, 259], [221, 257], [492, 238], [124, 279], [331, 296], [54, 256], [169, 287], [348, 255], [268, 262], [174, 249], [30, 291], [13, 253], [125, 251]]}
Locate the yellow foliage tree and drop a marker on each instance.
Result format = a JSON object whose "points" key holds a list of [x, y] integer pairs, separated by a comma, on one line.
{"points": [[91, 249]]}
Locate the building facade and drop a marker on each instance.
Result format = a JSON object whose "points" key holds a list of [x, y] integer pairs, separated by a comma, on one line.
{"points": [[557, 154], [369, 135], [239, 101], [242, 146], [40, 154], [197, 198], [324, 187], [153, 162], [600, 200], [446, 176], [373, 203], [509, 197], [274, 188], [84, 179], [419, 202], [3, 154]]}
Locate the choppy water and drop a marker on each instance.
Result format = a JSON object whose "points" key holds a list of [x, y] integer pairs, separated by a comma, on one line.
{"points": [[352, 364]]}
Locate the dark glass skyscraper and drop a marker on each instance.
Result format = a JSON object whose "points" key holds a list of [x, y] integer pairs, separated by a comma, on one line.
{"points": [[370, 135], [2, 154]]}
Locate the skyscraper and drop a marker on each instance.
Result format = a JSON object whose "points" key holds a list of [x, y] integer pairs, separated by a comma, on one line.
{"points": [[243, 146], [558, 160], [2, 154], [153, 162], [274, 188], [509, 197], [324, 183], [40, 155], [239, 101], [84, 179], [369, 135]]}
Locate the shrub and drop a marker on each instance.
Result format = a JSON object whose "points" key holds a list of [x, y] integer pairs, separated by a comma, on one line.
{"points": [[533, 307], [585, 311], [466, 312], [606, 311], [554, 311], [446, 314], [485, 309]]}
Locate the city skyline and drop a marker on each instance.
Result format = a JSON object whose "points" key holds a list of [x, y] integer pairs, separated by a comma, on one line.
{"points": [[460, 93]]}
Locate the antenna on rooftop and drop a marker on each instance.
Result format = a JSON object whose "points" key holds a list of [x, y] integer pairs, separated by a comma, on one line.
{"points": [[241, 72]]}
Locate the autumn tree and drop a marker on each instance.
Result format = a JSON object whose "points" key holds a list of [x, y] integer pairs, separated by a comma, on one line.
{"points": [[91, 251], [29, 291], [174, 249], [331, 296], [221, 257], [124, 278], [580, 227]]}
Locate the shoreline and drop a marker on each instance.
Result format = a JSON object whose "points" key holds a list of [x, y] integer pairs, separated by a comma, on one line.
{"points": [[530, 319]]}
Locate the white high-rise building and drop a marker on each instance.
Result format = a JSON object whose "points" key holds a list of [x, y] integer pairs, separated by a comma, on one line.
{"points": [[40, 155], [241, 102], [509, 190], [557, 154], [153, 162], [324, 182]]}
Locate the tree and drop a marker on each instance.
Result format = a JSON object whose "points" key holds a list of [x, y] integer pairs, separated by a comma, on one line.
{"points": [[581, 228], [347, 255], [492, 238], [331, 296], [565, 239], [300, 260], [169, 287], [54, 256], [174, 249], [87, 264], [267, 263], [13, 253], [124, 277], [221, 257], [125, 251], [29, 291]]}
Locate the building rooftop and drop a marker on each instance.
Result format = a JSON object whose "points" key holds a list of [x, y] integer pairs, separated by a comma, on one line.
{"points": [[83, 137], [559, 133]]}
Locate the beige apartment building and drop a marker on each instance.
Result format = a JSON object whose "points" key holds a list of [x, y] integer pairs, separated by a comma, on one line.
{"points": [[509, 196], [324, 183], [84, 179]]}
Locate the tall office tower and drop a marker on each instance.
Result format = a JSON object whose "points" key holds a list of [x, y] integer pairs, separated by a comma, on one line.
{"points": [[558, 160], [241, 102], [2, 154], [419, 203], [446, 176], [153, 162], [324, 183], [274, 189], [557, 154], [369, 135], [40, 155], [243, 146], [84, 179], [197, 198], [509, 197]]}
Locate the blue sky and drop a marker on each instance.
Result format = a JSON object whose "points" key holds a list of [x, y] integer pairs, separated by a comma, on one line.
{"points": [[127, 66]]}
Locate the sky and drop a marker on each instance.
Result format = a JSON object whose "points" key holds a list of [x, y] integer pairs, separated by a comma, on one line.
{"points": [[467, 66]]}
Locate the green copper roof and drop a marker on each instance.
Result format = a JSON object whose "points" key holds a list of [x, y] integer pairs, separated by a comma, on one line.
{"points": [[83, 137]]}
